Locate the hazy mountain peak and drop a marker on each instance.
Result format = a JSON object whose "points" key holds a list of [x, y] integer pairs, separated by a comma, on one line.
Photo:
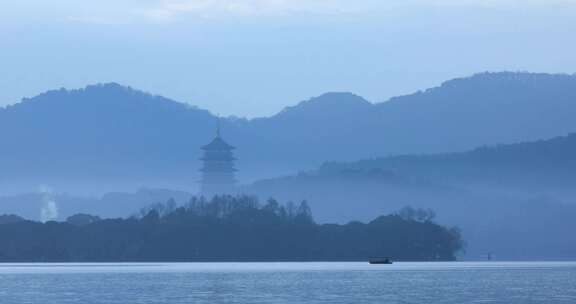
{"points": [[111, 87], [494, 89], [508, 79], [333, 102], [336, 99], [100, 97]]}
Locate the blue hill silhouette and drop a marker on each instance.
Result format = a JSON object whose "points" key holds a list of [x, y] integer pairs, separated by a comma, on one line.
{"points": [[110, 132]]}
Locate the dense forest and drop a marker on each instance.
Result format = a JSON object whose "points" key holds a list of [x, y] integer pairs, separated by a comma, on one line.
{"points": [[227, 228]]}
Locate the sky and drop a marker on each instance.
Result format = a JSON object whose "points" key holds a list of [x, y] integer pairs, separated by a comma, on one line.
{"points": [[252, 58]]}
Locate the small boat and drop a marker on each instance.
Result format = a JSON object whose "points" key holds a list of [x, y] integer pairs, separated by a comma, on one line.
{"points": [[386, 261]]}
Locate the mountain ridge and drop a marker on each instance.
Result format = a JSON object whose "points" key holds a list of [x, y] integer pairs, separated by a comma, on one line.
{"points": [[111, 131]]}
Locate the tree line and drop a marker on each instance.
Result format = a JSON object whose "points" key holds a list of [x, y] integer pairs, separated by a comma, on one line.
{"points": [[227, 228]]}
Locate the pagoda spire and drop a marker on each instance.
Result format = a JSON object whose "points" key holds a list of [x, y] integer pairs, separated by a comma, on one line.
{"points": [[218, 170], [218, 121]]}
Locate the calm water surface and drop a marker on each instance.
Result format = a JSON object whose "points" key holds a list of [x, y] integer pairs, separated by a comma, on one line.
{"points": [[489, 282]]}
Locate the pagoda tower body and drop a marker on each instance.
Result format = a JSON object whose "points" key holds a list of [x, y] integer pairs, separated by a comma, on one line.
{"points": [[218, 171]]}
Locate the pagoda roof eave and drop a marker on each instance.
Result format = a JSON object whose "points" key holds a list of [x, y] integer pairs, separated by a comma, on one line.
{"points": [[218, 144]]}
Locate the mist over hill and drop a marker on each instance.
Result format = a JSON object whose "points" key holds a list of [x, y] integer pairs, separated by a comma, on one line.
{"points": [[516, 200], [111, 135], [544, 167]]}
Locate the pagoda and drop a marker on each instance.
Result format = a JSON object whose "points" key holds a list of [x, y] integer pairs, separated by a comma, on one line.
{"points": [[218, 171]]}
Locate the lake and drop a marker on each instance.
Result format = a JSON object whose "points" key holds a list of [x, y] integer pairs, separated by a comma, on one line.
{"points": [[128, 283]]}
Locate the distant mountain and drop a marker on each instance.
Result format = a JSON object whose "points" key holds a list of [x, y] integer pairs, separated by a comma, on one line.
{"points": [[110, 134], [485, 109], [100, 131], [545, 167], [517, 199], [328, 106]]}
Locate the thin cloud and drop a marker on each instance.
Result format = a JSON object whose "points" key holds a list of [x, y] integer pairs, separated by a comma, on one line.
{"points": [[169, 9], [130, 11], [499, 3]]}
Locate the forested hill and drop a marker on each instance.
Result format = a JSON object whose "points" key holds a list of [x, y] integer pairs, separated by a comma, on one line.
{"points": [[227, 229], [544, 163], [114, 133], [99, 131]]}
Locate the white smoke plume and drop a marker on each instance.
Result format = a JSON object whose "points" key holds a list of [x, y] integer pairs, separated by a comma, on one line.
{"points": [[49, 208]]}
